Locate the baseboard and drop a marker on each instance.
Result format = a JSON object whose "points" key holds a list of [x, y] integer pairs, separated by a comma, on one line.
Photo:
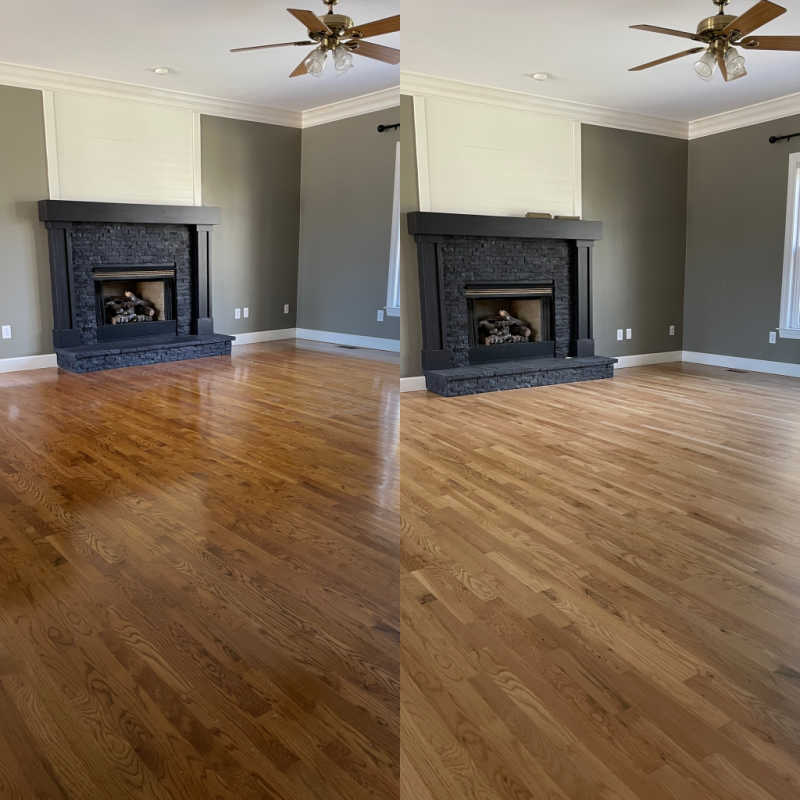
{"points": [[643, 359], [21, 363], [413, 384], [332, 337], [264, 336], [748, 364]]}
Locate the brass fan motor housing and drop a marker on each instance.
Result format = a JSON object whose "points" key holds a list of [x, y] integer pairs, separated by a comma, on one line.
{"points": [[337, 22], [714, 25]]}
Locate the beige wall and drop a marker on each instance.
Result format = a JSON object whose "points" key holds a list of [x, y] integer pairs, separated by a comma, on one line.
{"points": [[24, 266]]}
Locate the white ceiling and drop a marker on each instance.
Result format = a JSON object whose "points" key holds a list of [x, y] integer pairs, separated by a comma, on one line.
{"points": [[120, 39], [587, 46]]}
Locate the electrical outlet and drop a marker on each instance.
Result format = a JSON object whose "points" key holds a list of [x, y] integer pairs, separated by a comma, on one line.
{"points": [[628, 333], [620, 334], [773, 336], [237, 313], [285, 308], [245, 312], [380, 315], [6, 331], [671, 330]]}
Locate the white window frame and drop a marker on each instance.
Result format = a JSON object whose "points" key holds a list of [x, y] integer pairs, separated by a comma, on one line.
{"points": [[790, 291], [393, 289]]}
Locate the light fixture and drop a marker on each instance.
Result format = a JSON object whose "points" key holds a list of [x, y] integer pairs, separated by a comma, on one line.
{"points": [[704, 66], [734, 63], [161, 70], [342, 58], [315, 61]]}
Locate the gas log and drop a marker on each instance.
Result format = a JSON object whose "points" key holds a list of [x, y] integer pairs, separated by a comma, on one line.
{"points": [[503, 328], [129, 308]]}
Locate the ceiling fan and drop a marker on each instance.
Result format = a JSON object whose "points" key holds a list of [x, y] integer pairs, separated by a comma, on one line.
{"points": [[336, 34], [718, 35]]}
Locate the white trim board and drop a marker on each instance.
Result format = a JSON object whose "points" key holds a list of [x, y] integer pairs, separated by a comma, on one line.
{"points": [[643, 359], [253, 337], [21, 363], [334, 337], [416, 383], [354, 107], [747, 364], [48, 80], [420, 85]]}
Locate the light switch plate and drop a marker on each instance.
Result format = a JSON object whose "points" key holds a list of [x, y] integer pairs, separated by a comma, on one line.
{"points": [[628, 333], [245, 312], [237, 313], [620, 334], [6, 331], [286, 308], [773, 337], [380, 315]]}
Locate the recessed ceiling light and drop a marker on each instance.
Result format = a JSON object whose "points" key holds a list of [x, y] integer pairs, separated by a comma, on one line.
{"points": [[540, 76], [161, 70]]}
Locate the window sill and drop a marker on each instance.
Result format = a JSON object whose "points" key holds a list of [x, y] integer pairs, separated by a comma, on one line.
{"points": [[790, 333], [395, 312]]}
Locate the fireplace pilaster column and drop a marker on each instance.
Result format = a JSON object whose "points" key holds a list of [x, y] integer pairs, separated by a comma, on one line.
{"points": [[204, 321], [61, 280], [582, 341]]}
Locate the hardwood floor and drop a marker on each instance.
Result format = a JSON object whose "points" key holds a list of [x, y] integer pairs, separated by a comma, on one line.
{"points": [[199, 579], [600, 595]]}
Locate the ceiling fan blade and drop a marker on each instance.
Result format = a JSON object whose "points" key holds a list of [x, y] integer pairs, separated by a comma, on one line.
{"points": [[668, 31], [267, 46], [388, 25], [310, 20], [760, 14], [665, 59], [722, 67], [771, 42], [377, 51], [300, 69]]}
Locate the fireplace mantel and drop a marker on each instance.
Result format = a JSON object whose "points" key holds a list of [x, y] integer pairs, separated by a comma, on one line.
{"points": [[425, 223], [83, 211]]}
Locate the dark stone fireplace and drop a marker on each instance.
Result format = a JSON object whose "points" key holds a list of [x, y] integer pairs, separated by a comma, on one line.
{"points": [[131, 283], [506, 301]]}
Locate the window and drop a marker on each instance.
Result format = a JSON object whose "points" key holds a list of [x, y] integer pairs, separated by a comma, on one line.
{"points": [[393, 292], [790, 295]]}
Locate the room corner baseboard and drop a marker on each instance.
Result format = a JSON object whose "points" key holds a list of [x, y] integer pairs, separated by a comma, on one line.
{"points": [[333, 337], [20, 363], [643, 359], [264, 336], [414, 384], [747, 364]]}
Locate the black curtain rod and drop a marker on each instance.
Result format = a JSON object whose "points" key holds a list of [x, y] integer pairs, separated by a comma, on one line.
{"points": [[382, 128], [773, 139]]}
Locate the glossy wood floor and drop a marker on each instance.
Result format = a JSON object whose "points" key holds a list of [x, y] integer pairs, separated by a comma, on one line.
{"points": [[199, 579], [601, 594]]}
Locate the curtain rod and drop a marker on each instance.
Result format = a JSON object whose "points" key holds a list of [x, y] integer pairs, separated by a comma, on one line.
{"points": [[773, 139], [382, 128]]}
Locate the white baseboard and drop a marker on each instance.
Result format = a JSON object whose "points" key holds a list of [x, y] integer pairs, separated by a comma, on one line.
{"points": [[748, 364], [371, 342], [21, 363], [414, 384], [264, 336], [643, 359]]}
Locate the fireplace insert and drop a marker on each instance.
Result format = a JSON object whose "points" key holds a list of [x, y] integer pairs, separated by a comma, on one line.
{"points": [[510, 321], [134, 300]]}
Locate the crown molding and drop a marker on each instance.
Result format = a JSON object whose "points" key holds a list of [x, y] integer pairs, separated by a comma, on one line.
{"points": [[53, 80], [352, 107], [766, 111], [418, 84]]}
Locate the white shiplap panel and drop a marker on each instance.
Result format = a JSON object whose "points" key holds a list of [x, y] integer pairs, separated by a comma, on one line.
{"points": [[124, 151], [484, 159]]}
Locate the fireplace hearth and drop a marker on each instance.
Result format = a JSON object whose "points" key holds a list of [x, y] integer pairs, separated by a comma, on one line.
{"points": [[131, 284], [505, 301]]}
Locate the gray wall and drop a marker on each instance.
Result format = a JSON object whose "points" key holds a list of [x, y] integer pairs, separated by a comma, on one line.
{"points": [[410, 322], [347, 187], [252, 171], [734, 254], [635, 184], [24, 265]]}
